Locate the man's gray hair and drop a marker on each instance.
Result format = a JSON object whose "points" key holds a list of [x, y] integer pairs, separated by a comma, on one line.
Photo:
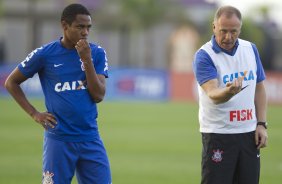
{"points": [[227, 11]]}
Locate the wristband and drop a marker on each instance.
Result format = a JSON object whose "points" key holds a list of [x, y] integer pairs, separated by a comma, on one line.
{"points": [[264, 124]]}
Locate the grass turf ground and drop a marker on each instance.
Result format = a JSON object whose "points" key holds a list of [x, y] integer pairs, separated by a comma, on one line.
{"points": [[147, 143]]}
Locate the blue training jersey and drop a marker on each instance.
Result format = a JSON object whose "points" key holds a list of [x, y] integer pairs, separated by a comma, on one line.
{"points": [[63, 82]]}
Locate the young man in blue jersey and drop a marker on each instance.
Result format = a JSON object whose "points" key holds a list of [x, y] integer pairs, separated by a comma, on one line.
{"points": [[72, 73], [232, 103]]}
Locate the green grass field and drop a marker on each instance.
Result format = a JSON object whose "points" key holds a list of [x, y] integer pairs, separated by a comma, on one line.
{"points": [[147, 143]]}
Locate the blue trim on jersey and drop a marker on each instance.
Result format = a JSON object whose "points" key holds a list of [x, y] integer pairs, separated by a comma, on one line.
{"points": [[217, 49], [203, 66], [260, 70], [64, 85]]}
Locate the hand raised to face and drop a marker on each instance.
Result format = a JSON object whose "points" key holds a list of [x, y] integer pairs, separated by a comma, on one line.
{"points": [[83, 50]]}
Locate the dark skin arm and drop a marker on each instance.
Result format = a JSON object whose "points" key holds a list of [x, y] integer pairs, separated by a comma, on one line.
{"points": [[95, 82], [12, 84]]}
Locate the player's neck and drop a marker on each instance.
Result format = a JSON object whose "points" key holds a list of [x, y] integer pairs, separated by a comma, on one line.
{"points": [[67, 44]]}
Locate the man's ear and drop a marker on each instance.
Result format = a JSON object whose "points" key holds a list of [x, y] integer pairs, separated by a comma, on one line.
{"points": [[213, 28], [64, 24]]}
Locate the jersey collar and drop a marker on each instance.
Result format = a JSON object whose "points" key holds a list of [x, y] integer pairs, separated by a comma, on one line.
{"points": [[217, 49]]}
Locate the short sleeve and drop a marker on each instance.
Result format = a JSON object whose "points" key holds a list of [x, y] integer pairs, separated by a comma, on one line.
{"points": [[203, 67], [101, 62], [260, 70], [32, 63]]}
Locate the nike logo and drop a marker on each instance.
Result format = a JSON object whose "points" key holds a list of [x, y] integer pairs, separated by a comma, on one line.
{"points": [[57, 65], [244, 87], [258, 155]]}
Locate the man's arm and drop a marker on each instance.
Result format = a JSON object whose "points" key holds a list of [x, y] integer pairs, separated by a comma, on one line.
{"points": [[222, 95], [12, 84], [261, 103], [95, 82]]}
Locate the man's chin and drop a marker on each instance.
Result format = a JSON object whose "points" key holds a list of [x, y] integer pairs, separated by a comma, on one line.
{"points": [[227, 46]]}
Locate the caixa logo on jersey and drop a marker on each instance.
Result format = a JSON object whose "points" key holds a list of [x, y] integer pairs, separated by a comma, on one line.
{"points": [[248, 75], [70, 86]]}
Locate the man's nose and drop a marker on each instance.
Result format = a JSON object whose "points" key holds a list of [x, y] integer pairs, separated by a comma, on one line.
{"points": [[228, 35], [85, 31]]}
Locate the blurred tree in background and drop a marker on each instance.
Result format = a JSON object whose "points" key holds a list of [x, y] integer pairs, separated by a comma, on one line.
{"points": [[134, 31], [131, 16], [137, 14], [251, 32], [270, 37]]}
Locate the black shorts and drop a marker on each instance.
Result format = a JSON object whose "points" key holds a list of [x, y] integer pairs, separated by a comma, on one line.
{"points": [[230, 159]]}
